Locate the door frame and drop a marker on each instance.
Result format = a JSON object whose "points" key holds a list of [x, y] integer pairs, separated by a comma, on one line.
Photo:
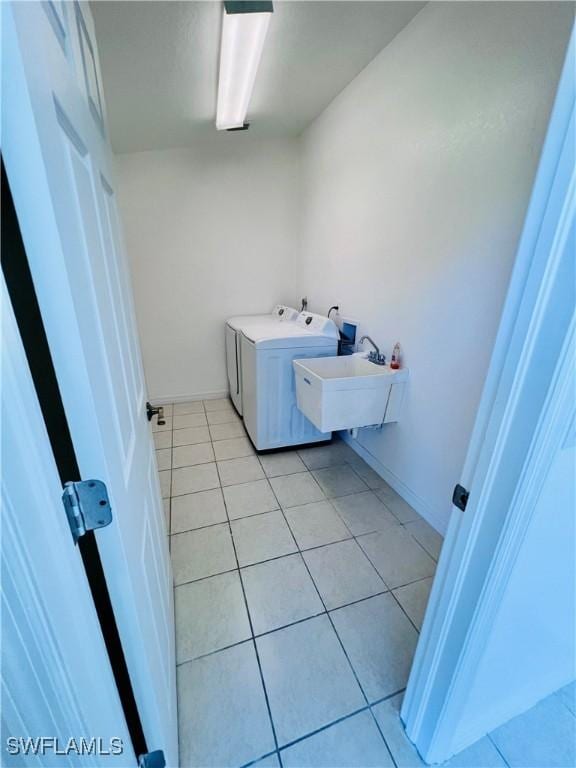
{"points": [[528, 380]]}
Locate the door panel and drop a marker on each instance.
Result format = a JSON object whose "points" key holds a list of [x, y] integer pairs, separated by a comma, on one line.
{"points": [[53, 653], [60, 168]]}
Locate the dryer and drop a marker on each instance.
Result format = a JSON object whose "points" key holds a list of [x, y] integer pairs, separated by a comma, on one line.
{"points": [[233, 330], [271, 415]]}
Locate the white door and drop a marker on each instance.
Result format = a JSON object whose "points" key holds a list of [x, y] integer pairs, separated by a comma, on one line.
{"points": [[56, 677], [59, 166]]}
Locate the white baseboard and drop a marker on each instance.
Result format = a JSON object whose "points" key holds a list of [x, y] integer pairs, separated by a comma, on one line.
{"points": [[438, 521], [166, 399]]}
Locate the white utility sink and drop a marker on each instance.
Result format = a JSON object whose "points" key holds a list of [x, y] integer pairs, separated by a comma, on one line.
{"points": [[348, 391]]}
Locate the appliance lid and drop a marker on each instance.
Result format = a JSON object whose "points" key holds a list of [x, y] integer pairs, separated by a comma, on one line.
{"points": [[317, 331], [280, 313]]}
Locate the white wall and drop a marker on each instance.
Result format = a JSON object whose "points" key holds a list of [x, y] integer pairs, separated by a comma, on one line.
{"points": [[416, 180], [211, 232]]}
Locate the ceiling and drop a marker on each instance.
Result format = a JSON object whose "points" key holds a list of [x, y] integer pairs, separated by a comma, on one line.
{"points": [[160, 64]]}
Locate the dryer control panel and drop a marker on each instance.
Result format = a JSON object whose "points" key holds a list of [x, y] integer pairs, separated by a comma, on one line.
{"points": [[283, 312], [318, 324]]}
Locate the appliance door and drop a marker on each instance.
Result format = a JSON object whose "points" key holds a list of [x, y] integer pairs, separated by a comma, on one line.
{"points": [[271, 415], [233, 367]]}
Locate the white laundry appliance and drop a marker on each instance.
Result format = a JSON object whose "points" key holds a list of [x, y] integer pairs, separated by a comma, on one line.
{"points": [[233, 329], [271, 415]]}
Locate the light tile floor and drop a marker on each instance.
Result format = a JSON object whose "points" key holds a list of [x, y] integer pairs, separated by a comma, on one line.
{"points": [[301, 582]]}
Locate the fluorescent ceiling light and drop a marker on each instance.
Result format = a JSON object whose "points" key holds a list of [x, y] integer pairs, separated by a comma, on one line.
{"points": [[243, 35]]}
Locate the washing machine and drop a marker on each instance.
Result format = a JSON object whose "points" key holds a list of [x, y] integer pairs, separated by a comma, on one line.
{"points": [[233, 330], [271, 415]]}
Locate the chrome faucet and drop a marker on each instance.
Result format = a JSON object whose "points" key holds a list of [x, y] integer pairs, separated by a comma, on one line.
{"points": [[375, 356]]}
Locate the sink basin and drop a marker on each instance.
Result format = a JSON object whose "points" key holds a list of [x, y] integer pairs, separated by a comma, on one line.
{"points": [[348, 391]]}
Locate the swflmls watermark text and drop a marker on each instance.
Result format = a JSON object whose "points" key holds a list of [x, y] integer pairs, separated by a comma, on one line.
{"points": [[45, 745]]}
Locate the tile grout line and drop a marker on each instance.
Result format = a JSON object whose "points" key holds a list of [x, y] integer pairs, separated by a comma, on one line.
{"points": [[254, 645], [258, 635], [329, 499], [391, 591], [334, 628], [497, 748], [301, 553], [342, 719]]}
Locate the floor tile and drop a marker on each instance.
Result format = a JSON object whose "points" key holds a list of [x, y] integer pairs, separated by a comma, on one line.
{"points": [[225, 416], [282, 463], [414, 598], [166, 506], [280, 592], [364, 513], [242, 470], [567, 694], [163, 458], [201, 477], [189, 420], [308, 678], [316, 524], [210, 615], [339, 481], [188, 455], [196, 510], [343, 573], [396, 556], [194, 406], [370, 477], [425, 535], [544, 736], [205, 552], [483, 754], [396, 504], [166, 427], [249, 499], [294, 490], [233, 448], [387, 713], [227, 430], [222, 714], [380, 643], [165, 477], [218, 404], [262, 537], [352, 743], [190, 436], [162, 440], [335, 454]]}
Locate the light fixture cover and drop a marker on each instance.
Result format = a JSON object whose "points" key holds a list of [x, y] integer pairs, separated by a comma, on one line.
{"points": [[243, 35]]}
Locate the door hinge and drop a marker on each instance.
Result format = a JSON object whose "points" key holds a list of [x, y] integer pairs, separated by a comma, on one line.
{"points": [[87, 506], [154, 759], [460, 497]]}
